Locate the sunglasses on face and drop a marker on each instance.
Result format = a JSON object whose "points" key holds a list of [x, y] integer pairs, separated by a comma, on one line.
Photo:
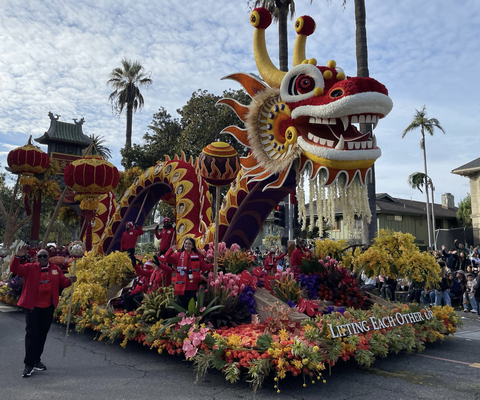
{"points": [[42, 256]]}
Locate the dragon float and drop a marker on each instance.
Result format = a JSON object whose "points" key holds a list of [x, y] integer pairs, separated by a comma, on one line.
{"points": [[299, 127]]}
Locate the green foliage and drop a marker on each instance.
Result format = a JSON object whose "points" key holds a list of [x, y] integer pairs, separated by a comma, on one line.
{"points": [[236, 262], [464, 212], [264, 342], [200, 123], [99, 148], [155, 306], [288, 289], [271, 241], [259, 370], [145, 248], [193, 309], [232, 373]]}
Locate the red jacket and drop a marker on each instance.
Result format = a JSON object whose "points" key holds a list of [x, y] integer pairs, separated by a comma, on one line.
{"points": [[162, 277], [167, 238], [298, 256], [31, 281], [174, 259], [129, 238], [271, 261]]}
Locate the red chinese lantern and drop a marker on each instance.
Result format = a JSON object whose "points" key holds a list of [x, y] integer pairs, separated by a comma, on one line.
{"points": [[90, 177], [28, 161]]}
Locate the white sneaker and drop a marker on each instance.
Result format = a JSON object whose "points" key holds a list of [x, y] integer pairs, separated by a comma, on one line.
{"points": [[474, 311]]}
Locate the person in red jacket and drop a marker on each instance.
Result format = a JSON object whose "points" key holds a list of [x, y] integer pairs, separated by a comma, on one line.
{"points": [[189, 265], [159, 276], [135, 296], [167, 236], [42, 282], [270, 263], [298, 255], [129, 240]]}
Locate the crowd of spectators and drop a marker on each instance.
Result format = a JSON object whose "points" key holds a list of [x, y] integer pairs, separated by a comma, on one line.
{"points": [[459, 281]]}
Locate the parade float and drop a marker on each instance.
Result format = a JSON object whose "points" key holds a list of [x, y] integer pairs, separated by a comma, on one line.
{"points": [[300, 131]]}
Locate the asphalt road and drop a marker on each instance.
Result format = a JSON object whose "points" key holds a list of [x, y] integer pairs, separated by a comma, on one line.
{"points": [[95, 370]]}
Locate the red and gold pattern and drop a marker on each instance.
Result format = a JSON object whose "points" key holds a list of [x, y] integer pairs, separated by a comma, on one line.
{"points": [[187, 190], [28, 160], [91, 175]]}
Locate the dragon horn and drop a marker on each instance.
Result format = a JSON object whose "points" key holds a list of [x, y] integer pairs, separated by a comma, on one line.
{"points": [[304, 26], [260, 18]]}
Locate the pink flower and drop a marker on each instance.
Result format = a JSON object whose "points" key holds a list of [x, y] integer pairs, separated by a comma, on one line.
{"points": [[235, 248], [187, 321], [189, 349]]}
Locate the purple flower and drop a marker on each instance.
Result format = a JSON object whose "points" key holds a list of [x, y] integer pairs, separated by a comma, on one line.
{"points": [[291, 303], [246, 298]]}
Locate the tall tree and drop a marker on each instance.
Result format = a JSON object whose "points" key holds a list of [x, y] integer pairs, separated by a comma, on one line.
{"points": [[464, 212], [200, 123], [428, 125], [419, 180], [126, 82], [99, 148]]}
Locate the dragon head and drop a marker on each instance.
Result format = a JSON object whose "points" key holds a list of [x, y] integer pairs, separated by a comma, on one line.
{"points": [[305, 118]]}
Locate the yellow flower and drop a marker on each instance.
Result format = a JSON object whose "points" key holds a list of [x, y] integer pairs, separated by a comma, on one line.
{"points": [[283, 334]]}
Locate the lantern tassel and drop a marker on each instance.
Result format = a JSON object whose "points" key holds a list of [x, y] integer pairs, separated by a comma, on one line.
{"points": [[26, 204], [89, 216]]}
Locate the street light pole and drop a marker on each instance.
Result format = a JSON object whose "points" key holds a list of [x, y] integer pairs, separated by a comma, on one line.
{"points": [[432, 188]]}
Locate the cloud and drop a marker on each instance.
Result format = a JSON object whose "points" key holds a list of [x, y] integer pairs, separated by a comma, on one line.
{"points": [[57, 55]]}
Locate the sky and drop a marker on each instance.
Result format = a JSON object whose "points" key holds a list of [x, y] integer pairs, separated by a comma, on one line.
{"points": [[56, 56]]}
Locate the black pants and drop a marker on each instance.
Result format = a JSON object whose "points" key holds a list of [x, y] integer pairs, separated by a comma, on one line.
{"points": [[132, 302], [184, 299], [38, 323], [131, 255]]}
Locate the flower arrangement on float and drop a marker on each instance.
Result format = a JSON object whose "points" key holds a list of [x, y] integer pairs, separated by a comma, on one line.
{"points": [[222, 330]]}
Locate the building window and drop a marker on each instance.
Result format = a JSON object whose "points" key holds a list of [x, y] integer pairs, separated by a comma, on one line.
{"points": [[337, 224], [397, 218]]}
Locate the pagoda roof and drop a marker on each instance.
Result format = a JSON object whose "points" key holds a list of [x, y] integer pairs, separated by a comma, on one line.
{"points": [[65, 132]]}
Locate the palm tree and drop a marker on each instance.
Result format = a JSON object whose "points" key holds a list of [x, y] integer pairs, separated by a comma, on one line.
{"points": [[361, 47], [126, 82], [418, 180], [421, 121], [99, 148]]}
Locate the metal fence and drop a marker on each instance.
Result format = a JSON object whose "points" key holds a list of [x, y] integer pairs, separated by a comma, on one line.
{"points": [[467, 236]]}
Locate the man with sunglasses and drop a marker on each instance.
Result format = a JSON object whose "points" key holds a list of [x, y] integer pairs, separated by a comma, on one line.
{"points": [[42, 283]]}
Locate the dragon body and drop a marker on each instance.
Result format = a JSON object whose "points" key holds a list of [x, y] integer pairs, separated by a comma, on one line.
{"points": [[299, 126]]}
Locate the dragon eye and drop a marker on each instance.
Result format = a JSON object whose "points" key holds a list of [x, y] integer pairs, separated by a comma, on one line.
{"points": [[304, 84], [336, 93]]}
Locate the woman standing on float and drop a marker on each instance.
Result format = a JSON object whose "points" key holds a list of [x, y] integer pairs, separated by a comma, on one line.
{"points": [[188, 267]]}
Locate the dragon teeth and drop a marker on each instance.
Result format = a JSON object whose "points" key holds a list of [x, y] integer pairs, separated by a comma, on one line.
{"points": [[341, 143], [345, 122]]}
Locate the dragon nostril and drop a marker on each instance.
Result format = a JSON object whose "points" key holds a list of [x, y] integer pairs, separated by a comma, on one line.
{"points": [[336, 93]]}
